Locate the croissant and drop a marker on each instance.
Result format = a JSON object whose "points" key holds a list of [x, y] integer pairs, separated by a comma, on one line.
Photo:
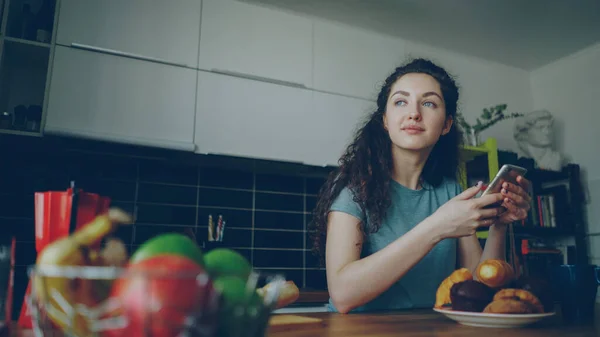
{"points": [[520, 295], [494, 273], [289, 294], [510, 306], [442, 296]]}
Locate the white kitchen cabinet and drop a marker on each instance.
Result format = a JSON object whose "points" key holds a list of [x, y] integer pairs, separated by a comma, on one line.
{"points": [[255, 41], [246, 118], [336, 119], [168, 31], [351, 61], [120, 99]]}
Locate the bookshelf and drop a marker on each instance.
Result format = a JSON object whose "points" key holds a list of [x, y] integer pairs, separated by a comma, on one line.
{"points": [[554, 231], [557, 210]]}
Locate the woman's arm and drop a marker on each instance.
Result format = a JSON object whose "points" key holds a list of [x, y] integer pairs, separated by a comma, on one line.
{"points": [[470, 253], [353, 281]]}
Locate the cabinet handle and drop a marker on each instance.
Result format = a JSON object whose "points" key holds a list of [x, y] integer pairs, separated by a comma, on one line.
{"points": [[125, 54], [258, 78]]}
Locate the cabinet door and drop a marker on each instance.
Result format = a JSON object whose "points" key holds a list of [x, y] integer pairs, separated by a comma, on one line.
{"points": [[242, 38], [351, 61], [336, 120], [120, 99], [165, 30], [247, 118]]}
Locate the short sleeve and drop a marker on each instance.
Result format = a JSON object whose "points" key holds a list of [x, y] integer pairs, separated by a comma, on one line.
{"points": [[345, 203], [457, 189]]}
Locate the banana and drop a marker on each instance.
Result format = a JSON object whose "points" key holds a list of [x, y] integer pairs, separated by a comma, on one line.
{"points": [[69, 301]]}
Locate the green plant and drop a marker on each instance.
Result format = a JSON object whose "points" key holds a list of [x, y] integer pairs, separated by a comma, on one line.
{"points": [[489, 117]]}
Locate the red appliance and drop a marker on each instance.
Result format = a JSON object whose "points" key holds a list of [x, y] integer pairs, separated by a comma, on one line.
{"points": [[57, 214]]}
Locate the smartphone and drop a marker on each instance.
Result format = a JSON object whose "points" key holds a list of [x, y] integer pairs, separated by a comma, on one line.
{"points": [[507, 173]]}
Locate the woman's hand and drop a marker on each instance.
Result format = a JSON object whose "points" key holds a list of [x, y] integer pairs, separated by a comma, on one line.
{"points": [[463, 214], [516, 201]]}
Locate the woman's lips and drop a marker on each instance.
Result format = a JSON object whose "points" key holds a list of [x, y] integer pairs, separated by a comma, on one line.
{"points": [[413, 130]]}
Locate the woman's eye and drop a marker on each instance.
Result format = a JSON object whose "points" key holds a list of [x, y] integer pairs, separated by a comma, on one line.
{"points": [[398, 103], [429, 104]]}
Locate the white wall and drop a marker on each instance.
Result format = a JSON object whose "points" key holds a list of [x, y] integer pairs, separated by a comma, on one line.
{"points": [[570, 89], [483, 84]]}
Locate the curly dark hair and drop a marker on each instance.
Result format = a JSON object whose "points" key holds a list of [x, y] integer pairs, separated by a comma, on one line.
{"points": [[366, 166]]}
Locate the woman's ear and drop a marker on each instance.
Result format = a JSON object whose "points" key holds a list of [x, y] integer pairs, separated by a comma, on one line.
{"points": [[385, 122], [447, 125]]}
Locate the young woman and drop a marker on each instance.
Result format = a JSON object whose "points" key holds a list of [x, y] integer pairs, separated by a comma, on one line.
{"points": [[392, 222]]}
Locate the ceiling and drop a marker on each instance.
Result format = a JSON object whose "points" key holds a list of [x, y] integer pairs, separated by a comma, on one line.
{"points": [[521, 33]]}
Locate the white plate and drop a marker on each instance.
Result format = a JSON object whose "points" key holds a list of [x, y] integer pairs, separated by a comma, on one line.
{"points": [[486, 320]]}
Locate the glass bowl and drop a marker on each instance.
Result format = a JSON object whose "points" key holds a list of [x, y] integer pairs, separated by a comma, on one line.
{"points": [[85, 301]]}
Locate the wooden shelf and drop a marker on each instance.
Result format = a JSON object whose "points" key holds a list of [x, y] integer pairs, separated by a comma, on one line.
{"points": [[489, 148], [27, 42], [543, 231]]}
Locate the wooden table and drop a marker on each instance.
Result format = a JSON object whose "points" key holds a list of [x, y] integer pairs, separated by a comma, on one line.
{"points": [[427, 323], [418, 323]]}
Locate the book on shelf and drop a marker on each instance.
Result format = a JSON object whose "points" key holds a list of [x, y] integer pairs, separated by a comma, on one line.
{"points": [[549, 209]]}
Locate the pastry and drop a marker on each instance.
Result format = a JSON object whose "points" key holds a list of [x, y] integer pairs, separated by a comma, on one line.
{"points": [[442, 296], [288, 294], [509, 306], [494, 273], [470, 295], [540, 288], [520, 295]]}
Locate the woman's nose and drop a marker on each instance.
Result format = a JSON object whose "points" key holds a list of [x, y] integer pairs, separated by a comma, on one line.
{"points": [[415, 114]]}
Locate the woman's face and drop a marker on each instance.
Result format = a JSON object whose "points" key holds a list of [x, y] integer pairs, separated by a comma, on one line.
{"points": [[415, 116]]}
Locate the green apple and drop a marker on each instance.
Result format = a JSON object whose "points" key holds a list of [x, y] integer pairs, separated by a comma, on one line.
{"points": [[227, 262], [169, 243]]}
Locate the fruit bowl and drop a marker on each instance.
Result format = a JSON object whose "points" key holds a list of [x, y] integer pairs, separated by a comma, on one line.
{"points": [[86, 301]]}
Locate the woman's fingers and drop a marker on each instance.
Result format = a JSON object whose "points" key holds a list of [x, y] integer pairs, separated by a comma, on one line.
{"points": [[516, 199], [486, 222], [524, 182], [517, 193], [487, 200], [515, 212], [491, 212]]}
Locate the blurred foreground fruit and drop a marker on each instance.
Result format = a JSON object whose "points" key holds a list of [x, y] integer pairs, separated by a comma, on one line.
{"points": [[241, 306], [158, 294], [223, 261], [64, 294], [170, 243]]}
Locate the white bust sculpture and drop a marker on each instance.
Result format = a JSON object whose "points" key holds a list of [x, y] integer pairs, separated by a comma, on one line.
{"points": [[534, 134]]}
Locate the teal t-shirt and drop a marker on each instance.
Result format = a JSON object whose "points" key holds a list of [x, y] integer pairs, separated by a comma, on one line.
{"points": [[417, 288]]}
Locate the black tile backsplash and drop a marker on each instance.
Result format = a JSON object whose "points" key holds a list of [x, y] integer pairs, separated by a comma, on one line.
{"points": [[269, 258], [167, 194], [279, 183], [316, 279], [266, 207], [168, 172], [279, 220], [224, 198], [313, 185], [217, 177], [147, 232], [279, 202], [166, 214], [278, 239]]}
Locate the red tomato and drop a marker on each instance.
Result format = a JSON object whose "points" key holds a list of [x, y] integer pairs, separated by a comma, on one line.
{"points": [[158, 297]]}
